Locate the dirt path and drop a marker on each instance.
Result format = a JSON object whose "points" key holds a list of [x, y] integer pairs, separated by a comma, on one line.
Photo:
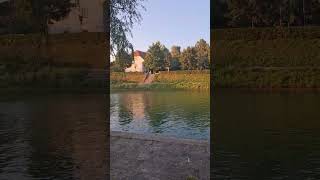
{"points": [[150, 157], [149, 79]]}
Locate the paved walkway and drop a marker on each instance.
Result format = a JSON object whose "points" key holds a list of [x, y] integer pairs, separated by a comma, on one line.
{"points": [[150, 157]]}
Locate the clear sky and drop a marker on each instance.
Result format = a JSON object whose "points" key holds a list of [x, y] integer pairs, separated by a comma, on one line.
{"points": [[172, 22]]}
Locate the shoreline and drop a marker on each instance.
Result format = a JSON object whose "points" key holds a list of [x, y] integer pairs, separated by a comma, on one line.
{"points": [[41, 90], [159, 138], [271, 90], [135, 156]]}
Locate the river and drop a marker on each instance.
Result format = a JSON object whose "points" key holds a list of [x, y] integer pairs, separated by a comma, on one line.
{"points": [[53, 137], [263, 135], [181, 114]]}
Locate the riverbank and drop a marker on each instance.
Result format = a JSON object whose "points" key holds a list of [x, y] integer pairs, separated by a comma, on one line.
{"points": [[43, 74], [266, 58], [155, 157], [68, 63], [178, 80]]}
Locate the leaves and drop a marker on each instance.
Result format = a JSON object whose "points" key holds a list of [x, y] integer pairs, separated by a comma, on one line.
{"points": [[123, 15]]}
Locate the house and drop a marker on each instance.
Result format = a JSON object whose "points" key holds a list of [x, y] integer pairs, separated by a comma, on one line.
{"points": [[137, 64], [85, 16]]}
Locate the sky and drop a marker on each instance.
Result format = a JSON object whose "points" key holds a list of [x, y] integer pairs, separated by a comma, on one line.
{"points": [[172, 22]]}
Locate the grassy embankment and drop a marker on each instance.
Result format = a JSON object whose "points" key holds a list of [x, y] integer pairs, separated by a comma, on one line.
{"points": [[191, 80], [266, 58], [63, 64]]}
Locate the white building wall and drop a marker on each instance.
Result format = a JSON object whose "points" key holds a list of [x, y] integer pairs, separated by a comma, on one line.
{"points": [[92, 20], [137, 66]]}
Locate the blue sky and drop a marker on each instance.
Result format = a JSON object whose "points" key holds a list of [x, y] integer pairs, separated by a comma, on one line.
{"points": [[172, 22]]}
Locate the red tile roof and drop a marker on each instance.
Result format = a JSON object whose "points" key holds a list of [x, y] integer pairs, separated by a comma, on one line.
{"points": [[139, 53]]}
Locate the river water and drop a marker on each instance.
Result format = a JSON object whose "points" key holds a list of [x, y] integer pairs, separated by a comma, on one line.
{"points": [[182, 114], [256, 135], [53, 137], [260, 135]]}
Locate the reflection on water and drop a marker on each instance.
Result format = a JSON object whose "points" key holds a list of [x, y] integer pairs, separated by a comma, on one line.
{"points": [[174, 113], [53, 137], [266, 135]]}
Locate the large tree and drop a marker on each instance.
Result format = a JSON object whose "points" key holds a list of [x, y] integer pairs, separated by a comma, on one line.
{"points": [[22, 20], [122, 61], [48, 11], [123, 15], [189, 58], [175, 58], [202, 54], [156, 57]]}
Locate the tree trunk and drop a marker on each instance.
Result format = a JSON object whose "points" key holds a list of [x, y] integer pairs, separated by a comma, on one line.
{"points": [[251, 22], [280, 16]]}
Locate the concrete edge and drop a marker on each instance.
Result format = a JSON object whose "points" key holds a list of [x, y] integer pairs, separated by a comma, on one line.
{"points": [[159, 138]]}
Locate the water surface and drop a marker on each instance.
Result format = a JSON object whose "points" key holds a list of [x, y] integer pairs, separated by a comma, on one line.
{"points": [[182, 114], [53, 137], [259, 135]]}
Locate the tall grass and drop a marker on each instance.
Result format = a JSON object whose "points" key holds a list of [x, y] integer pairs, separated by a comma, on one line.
{"points": [[266, 58], [164, 80]]}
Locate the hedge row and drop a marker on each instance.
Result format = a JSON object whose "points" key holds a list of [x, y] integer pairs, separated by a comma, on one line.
{"points": [[282, 78], [33, 39], [266, 53], [266, 33]]}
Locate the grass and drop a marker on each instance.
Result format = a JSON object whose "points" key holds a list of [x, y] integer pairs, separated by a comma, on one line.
{"points": [[44, 73], [62, 64], [255, 61], [184, 80], [75, 48]]}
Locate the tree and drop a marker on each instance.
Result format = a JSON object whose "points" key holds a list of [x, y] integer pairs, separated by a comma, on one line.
{"points": [[189, 58], [202, 54], [156, 57], [123, 60], [175, 58], [175, 52], [315, 12], [22, 20], [47, 11], [123, 15], [219, 9]]}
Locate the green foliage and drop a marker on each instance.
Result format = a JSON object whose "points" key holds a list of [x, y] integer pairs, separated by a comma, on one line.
{"points": [[21, 72], [267, 63], [22, 20], [261, 13], [266, 33], [123, 15], [75, 48], [122, 60], [189, 58], [47, 11], [157, 56], [175, 58], [188, 80], [203, 51]]}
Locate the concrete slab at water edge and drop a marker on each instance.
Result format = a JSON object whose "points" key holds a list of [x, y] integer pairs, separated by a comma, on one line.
{"points": [[145, 157]]}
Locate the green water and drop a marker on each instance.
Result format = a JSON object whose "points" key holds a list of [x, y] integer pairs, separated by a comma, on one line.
{"points": [[264, 135], [182, 114]]}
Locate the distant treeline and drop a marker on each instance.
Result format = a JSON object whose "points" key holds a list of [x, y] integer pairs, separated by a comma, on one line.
{"points": [[262, 13], [160, 58]]}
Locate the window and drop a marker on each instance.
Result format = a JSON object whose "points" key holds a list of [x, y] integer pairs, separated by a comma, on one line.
{"points": [[76, 3], [84, 12]]}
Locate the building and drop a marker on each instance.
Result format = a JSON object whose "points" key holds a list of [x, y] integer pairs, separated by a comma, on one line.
{"points": [[86, 16], [137, 64]]}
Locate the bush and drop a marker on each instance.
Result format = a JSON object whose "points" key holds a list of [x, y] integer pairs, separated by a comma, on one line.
{"points": [[266, 33]]}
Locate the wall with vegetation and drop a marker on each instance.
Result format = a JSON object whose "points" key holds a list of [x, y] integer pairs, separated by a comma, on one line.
{"points": [[266, 58], [192, 80], [78, 48]]}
